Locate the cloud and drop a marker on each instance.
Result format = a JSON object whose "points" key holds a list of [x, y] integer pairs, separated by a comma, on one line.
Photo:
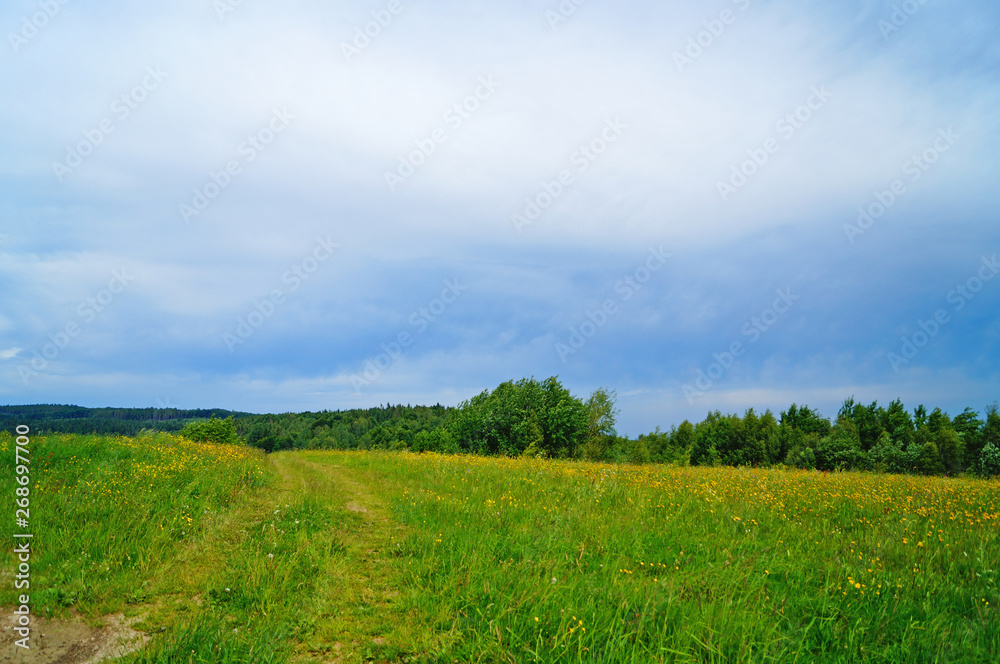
{"points": [[746, 164]]}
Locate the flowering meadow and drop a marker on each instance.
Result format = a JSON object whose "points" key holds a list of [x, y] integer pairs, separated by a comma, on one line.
{"points": [[108, 511], [532, 560], [224, 554]]}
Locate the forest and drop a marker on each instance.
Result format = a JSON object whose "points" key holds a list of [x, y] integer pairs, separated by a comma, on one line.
{"points": [[123, 421], [543, 419]]}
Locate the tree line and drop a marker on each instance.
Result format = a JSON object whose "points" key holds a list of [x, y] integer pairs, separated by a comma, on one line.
{"points": [[543, 419], [53, 418]]}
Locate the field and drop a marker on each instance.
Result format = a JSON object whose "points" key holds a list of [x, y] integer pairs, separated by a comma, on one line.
{"points": [[223, 554]]}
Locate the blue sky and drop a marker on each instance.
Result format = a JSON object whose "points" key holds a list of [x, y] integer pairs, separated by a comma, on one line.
{"points": [[315, 205]]}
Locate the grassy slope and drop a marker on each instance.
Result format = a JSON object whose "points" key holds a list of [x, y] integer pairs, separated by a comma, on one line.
{"points": [[520, 560], [350, 557]]}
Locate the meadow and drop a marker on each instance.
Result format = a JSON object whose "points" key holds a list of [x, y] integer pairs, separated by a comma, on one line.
{"points": [[228, 555]]}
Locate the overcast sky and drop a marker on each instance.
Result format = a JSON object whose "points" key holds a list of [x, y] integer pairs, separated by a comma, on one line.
{"points": [[304, 205]]}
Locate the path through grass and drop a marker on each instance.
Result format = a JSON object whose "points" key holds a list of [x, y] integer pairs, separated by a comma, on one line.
{"points": [[230, 556]]}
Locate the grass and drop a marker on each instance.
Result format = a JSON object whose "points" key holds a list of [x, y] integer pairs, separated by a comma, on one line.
{"points": [[523, 560], [107, 511], [231, 556]]}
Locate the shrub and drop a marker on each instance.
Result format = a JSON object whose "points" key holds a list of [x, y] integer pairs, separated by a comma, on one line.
{"points": [[221, 432], [841, 449], [989, 461]]}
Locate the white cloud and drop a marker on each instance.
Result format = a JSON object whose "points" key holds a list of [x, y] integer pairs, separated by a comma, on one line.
{"points": [[324, 175]]}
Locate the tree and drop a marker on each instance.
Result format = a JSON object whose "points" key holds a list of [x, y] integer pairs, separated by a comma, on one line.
{"points": [[990, 433], [715, 440], [563, 419], [601, 417], [968, 426], [841, 449], [988, 464], [952, 450], [929, 462], [884, 455], [263, 435], [214, 430], [806, 420], [898, 423], [508, 420], [682, 440], [938, 420], [750, 449], [866, 418]]}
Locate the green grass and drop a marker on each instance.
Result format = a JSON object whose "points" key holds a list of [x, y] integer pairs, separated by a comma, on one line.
{"points": [[231, 556], [519, 560], [107, 511]]}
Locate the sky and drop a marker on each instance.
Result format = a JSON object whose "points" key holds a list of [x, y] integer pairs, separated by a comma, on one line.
{"points": [[308, 205]]}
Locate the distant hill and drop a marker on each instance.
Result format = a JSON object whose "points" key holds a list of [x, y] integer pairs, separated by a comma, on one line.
{"points": [[52, 418]]}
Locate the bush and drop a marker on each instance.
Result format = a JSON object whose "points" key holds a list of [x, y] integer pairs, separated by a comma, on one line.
{"points": [[930, 462], [220, 432], [516, 416], [841, 449], [989, 462]]}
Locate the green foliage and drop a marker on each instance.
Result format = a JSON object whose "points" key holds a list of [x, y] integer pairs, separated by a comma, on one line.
{"points": [[122, 421], [885, 456], [515, 416], [714, 439], [109, 509], [214, 430], [841, 449], [635, 565], [601, 416], [989, 461], [545, 417], [210, 638], [672, 448], [990, 434], [930, 462], [968, 427], [951, 447], [806, 420]]}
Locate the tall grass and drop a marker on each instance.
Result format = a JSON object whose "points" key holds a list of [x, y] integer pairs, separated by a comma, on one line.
{"points": [[367, 556], [525, 560], [106, 511], [196, 539]]}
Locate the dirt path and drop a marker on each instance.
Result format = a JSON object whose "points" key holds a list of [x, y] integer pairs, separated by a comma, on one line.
{"points": [[73, 641], [355, 611], [360, 614]]}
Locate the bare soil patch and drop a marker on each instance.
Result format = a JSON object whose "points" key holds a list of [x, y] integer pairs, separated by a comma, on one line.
{"points": [[72, 641]]}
